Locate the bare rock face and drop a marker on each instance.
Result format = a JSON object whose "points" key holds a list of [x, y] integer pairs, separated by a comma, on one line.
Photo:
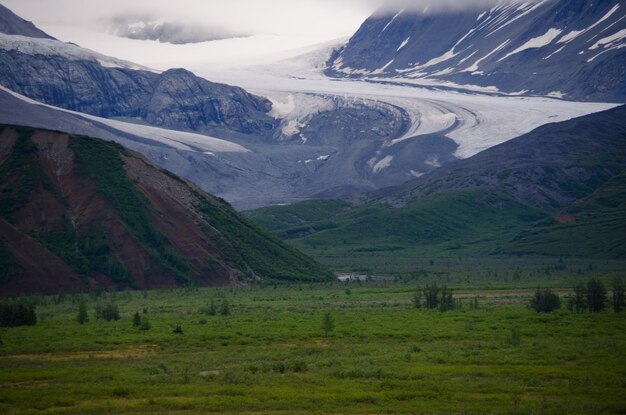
{"points": [[68, 76], [77, 85], [174, 99], [179, 98]]}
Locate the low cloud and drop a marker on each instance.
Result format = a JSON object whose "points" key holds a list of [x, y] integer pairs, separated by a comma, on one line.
{"points": [[175, 32]]}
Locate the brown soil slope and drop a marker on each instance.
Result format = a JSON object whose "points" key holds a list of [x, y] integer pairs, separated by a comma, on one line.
{"points": [[79, 212]]}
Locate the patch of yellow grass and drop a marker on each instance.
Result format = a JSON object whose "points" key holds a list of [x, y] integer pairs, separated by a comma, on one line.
{"points": [[140, 351]]}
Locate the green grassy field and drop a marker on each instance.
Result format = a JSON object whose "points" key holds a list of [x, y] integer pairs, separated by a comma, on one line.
{"points": [[270, 355], [479, 235]]}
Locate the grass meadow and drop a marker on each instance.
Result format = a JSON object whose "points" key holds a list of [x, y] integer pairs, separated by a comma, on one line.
{"points": [[270, 355]]}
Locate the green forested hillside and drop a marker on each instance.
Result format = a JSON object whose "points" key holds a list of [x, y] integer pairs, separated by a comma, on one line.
{"points": [[78, 212]]}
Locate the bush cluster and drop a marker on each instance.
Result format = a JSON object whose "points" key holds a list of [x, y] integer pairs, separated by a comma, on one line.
{"points": [[435, 297], [107, 311], [17, 313], [545, 301]]}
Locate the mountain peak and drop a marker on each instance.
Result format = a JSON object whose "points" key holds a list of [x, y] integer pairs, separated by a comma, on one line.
{"points": [[12, 24]]}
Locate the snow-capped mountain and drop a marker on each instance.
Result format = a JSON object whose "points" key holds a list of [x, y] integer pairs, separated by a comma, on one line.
{"points": [[565, 48], [311, 137]]}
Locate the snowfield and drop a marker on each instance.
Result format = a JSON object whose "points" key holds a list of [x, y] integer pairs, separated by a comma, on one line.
{"points": [[475, 118], [51, 47]]}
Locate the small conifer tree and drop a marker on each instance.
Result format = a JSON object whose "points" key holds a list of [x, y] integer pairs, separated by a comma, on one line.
{"points": [[82, 316], [136, 319], [596, 295], [327, 324]]}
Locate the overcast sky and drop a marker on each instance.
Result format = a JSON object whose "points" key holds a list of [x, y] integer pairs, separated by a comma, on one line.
{"points": [[324, 18], [277, 28]]}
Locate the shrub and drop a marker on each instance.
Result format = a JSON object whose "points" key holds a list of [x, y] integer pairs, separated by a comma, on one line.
{"points": [[578, 302], [224, 309], [107, 311], [144, 324], [417, 300], [545, 301], [447, 301], [431, 297], [435, 297], [211, 310]]}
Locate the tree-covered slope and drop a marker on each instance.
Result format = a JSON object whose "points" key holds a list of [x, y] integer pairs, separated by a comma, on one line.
{"points": [[78, 212]]}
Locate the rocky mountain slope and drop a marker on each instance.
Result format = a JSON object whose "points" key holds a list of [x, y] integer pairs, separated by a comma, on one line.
{"points": [[68, 76], [559, 190], [569, 48], [78, 212]]}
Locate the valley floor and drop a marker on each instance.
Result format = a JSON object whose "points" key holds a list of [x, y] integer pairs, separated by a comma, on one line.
{"points": [[270, 353]]}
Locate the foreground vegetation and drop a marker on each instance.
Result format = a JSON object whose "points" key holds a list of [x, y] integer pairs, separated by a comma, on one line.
{"points": [[358, 347]]}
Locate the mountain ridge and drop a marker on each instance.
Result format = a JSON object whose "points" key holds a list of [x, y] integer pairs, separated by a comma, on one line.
{"points": [[564, 48]]}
